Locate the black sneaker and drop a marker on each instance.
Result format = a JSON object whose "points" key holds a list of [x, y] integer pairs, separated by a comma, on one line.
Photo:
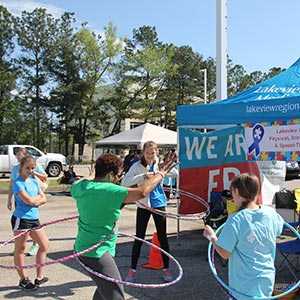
{"points": [[38, 282], [27, 285]]}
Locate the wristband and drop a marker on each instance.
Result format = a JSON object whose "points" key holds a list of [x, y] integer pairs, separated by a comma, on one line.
{"points": [[214, 239], [160, 173], [211, 237]]}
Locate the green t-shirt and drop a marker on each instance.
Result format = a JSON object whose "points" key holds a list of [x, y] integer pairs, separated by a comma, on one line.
{"points": [[98, 205]]}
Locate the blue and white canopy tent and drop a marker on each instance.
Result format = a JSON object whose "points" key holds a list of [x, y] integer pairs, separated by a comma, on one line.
{"points": [[269, 114]]}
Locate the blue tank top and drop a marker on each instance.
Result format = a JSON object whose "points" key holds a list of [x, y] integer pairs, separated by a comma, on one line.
{"points": [[157, 196]]}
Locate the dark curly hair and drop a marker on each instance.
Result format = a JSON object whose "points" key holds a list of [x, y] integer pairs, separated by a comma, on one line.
{"points": [[107, 163]]}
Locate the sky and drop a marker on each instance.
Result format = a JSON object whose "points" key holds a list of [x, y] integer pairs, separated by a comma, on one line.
{"points": [[261, 33]]}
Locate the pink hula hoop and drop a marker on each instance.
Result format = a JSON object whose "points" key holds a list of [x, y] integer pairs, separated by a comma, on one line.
{"points": [[139, 285], [48, 263], [187, 217], [77, 254]]}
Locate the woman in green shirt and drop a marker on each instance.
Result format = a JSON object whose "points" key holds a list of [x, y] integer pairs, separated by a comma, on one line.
{"points": [[99, 203]]}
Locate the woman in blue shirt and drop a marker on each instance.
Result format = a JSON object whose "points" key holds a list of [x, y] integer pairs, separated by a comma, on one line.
{"points": [[248, 240], [39, 173], [139, 171], [28, 197]]}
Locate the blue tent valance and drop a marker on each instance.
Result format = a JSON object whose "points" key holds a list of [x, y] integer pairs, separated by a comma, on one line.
{"points": [[238, 113]]}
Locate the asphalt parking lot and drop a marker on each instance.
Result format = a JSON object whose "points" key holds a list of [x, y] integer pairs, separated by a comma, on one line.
{"points": [[68, 281]]}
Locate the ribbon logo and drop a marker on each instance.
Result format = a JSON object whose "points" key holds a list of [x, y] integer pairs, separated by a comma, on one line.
{"points": [[257, 134]]}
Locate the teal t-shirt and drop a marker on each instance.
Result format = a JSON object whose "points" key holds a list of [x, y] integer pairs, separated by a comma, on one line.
{"points": [[250, 237], [99, 207]]}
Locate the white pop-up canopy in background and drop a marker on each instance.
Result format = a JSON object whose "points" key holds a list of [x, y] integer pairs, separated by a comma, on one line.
{"points": [[141, 134]]}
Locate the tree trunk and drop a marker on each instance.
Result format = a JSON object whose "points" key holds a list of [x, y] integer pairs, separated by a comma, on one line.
{"points": [[59, 142], [66, 141], [37, 124], [37, 103], [117, 127], [80, 150]]}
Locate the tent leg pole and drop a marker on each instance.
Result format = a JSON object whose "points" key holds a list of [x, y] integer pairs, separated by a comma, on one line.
{"points": [[177, 188], [178, 221]]}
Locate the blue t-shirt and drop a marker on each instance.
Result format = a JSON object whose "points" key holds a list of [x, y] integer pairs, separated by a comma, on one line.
{"points": [[157, 196], [15, 171], [31, 187], [250, 237]]}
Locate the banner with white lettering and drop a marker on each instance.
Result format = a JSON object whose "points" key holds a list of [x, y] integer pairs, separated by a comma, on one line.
{"points": [[209, 161]]}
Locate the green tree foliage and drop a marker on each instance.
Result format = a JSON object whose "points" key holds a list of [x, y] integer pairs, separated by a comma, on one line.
{"points": [[96, 58], [272, 72], [141, 76], [187, 81], [73, 83], [35, 31], [235, 80], [239, 79], [19, 123], [185, 85], [64, 69], [8, 75]]}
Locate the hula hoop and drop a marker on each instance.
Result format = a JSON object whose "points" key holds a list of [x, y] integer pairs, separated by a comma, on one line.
{"points": [[59, 260], [4, 243], [230, 290], [187, 217], [138, 285], [77, 254]]}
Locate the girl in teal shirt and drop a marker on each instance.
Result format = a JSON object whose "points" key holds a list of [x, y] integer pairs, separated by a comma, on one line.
{"points": [[248, 240]]}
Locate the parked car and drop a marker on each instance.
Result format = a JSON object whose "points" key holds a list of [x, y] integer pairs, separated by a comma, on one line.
{"points": [[53, 163], [292, 170]]}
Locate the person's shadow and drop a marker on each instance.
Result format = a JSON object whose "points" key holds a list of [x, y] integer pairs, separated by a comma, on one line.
{"points": [[51, 289], [55, 291]]}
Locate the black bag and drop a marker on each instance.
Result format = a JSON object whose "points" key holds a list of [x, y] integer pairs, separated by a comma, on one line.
{"points": [[285, 199], [217, 207]]}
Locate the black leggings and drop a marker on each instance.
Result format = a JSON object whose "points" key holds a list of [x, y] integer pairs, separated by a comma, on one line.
{"points": [[142, 219], [105, 265]]}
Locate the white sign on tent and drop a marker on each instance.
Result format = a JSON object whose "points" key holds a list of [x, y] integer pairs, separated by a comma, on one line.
{"points": [[273, 138]]}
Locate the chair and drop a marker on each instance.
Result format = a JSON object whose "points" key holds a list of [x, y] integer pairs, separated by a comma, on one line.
{"points": [[297, 197], [289, 251]]}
